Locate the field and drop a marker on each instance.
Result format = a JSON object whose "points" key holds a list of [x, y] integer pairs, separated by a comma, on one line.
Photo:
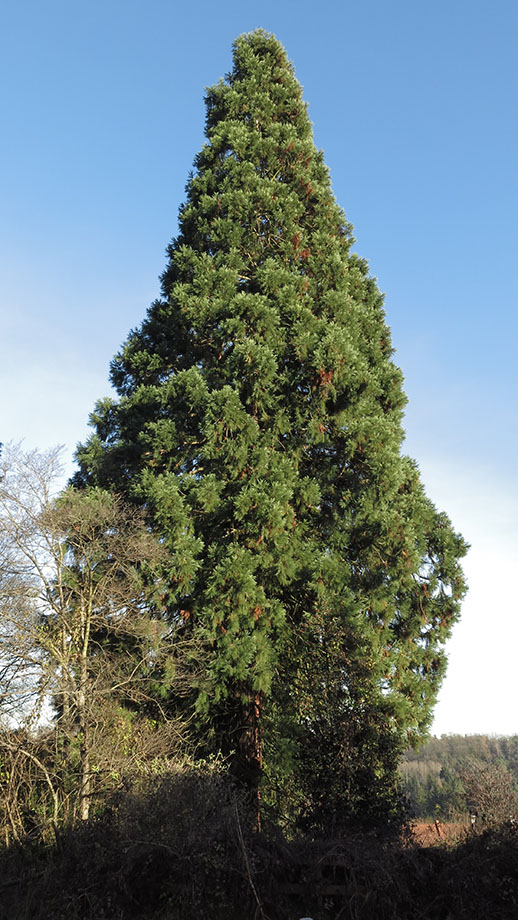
{"points": [[426, 834]]}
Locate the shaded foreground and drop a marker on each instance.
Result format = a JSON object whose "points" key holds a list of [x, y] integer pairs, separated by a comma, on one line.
{"points": [[182, 850]]}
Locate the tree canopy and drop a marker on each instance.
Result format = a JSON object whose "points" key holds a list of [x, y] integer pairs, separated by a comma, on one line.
{"points": [[259, 420]]}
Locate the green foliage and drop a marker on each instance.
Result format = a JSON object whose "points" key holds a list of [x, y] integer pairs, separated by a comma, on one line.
{"points": [[259, 422], [456, 773]]}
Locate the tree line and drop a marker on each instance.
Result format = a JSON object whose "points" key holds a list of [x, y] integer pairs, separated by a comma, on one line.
{"points": [[459, 775]]}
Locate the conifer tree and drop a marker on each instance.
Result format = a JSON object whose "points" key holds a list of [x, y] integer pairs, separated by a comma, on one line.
{"points": [[259, 420]]}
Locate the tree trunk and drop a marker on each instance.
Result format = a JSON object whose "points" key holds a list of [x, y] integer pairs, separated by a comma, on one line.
{"points": [[85, 783], [250, 751]]}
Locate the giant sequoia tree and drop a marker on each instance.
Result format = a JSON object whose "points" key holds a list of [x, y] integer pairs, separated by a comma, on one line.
{"points": [[259, 421]]}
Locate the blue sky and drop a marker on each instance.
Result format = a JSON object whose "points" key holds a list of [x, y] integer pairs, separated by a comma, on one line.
{"points": [[415, 107]]}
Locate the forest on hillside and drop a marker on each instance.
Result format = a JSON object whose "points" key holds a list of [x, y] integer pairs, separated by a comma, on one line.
{"points": [[456, 775]]}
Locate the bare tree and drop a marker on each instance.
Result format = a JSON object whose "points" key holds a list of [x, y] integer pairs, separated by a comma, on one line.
{"points": [[491, 792], [81, 633]]}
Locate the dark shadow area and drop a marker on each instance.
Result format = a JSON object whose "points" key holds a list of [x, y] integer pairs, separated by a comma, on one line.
{"points": [[182, 846]]}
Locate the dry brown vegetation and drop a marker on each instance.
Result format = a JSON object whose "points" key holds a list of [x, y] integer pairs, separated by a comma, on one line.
{"points": [[427, 834], [178, 847]]}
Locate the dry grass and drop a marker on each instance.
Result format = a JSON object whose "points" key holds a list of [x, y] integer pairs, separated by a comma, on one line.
{"points": [[426, 834]]}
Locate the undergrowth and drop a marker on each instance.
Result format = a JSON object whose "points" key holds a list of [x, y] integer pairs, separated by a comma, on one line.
{"points": [[182, 846]]}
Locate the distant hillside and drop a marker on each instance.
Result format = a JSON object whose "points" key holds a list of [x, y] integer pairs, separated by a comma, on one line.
{"points": [[454, 773]]}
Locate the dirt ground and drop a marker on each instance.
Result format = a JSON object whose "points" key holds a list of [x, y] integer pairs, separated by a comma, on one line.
{"points": [[428, 835]]}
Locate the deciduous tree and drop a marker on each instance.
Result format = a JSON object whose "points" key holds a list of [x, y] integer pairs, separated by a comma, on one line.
{"points": [[80, 632]]}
